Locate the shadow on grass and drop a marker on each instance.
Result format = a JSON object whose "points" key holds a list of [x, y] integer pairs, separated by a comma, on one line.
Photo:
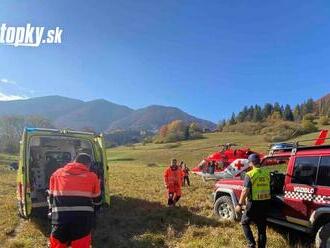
{"points": [[121, 159], [295, 239], [132, 222]]}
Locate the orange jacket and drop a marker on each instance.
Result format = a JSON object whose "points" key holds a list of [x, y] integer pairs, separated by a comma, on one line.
{"points": [[173, 177], [73, 190]]}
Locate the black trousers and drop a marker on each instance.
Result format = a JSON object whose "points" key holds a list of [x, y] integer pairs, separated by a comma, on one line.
{"points": [[172, 200], [256, 212], [186, 178], [73, 230]]}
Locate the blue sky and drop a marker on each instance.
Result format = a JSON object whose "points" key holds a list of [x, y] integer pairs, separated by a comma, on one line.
{"points": [[209, 58]]}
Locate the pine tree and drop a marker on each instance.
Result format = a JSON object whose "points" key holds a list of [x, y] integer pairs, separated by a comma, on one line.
{"points": [[267, 110], [277, 108], [287, 114], [250, 114], [232, 120], [308, 107], [282, 112], [297, 113], [257, 114], [242, 115], [221, 125]]}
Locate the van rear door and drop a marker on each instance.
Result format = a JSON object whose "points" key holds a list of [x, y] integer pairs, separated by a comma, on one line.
{"points": [[102, 160], [23, 185]]}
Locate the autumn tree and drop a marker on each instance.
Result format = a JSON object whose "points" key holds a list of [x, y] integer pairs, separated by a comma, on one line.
{"points": [[12, 127], [163, 131], [178, 130]]}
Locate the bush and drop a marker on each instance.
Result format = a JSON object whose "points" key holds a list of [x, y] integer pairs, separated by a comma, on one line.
{"points": [[195, 135], [309, 126], [248, 128], [178, 130], [173, 145], [324, 120], [309, 117], [152, 164], [282, 131], [273, 131], [147, 140]]}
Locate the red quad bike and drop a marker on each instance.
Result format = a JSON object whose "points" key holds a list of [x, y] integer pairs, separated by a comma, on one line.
{"points": [[300, 189]]}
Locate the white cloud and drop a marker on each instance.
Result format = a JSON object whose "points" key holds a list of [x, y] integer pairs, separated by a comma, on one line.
{"points": [[7, 81], [10, 90], [4, 97]]}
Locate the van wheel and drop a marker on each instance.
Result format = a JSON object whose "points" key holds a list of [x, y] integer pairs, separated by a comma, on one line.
{"points": [[224, 209], [322, 239]]}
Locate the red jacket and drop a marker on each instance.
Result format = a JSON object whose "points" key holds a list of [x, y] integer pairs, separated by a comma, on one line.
{"points": [[173, 178], [74, 193]]}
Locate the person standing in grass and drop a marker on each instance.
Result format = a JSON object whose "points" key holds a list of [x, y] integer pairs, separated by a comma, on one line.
{"points": [[256, 195], [173, 176], [74, 196], [181, 165], [186, 175]]}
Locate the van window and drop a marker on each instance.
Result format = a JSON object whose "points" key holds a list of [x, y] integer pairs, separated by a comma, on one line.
{"points": [[305, 169], [277, 167], [323, 177]]}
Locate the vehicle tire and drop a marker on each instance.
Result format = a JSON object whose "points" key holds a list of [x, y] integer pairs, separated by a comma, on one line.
{"points": [[224, 209], [322, 239]]}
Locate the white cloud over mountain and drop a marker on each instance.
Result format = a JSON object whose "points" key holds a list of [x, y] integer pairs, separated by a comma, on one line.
{"points": [[10, 90], [5, 97]]}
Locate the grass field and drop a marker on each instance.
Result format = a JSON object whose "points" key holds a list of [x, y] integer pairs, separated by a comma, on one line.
{"points": [[138, 216]]}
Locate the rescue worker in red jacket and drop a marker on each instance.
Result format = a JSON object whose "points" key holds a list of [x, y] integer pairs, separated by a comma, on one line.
{"points": [[173, 182], [74, 195]]}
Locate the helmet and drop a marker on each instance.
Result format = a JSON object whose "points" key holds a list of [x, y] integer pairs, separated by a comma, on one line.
{"points": [[254, 158]]}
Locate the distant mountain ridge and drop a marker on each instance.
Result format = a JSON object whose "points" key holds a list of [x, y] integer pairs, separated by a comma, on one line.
{"points": [[154, 116], [99, 115]]}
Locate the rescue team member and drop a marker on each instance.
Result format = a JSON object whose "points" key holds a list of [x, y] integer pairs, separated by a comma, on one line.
{"points": [[185, 175], [74, 195], [212, 167], [173, 181], [256, 195]]}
